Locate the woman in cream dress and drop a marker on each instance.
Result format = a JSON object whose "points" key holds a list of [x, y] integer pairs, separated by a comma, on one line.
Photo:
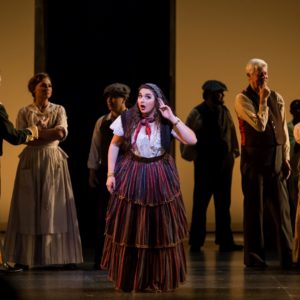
{"points": [[42, 226]]}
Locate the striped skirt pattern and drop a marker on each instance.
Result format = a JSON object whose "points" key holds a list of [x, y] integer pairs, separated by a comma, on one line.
{"points": [[145, 226]]}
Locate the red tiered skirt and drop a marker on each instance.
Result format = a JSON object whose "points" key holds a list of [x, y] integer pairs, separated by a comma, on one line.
{"points": [[145, 226]]}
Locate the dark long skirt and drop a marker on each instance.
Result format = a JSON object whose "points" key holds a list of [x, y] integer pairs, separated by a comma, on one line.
{"points": [[145, 226]]}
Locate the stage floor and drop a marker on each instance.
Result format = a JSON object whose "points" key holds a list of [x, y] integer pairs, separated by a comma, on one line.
{"points": [[211, 275]]}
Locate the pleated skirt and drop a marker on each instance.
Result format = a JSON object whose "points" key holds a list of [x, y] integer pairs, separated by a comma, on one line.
{"points": [[42, 226], [145, 226]]}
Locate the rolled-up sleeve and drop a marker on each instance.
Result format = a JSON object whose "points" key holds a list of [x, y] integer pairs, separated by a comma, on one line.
{"points": [[246, 111]]}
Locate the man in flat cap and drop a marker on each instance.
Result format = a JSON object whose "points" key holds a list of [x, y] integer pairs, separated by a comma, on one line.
{"points": [[115, 95], [213, 157]]}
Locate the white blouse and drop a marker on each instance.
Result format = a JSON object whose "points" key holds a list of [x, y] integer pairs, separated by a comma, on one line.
{"points": [[145, 146]]}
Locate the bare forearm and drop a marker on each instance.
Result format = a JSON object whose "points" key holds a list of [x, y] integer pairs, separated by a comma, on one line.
{"points": [[51, 134], [185, 134], [113, 153]]}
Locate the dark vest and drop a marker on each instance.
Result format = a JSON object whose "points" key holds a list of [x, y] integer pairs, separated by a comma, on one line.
{"points": [[209, 136], [106, 137], [273, 134], [261, 149], [165, 129]]}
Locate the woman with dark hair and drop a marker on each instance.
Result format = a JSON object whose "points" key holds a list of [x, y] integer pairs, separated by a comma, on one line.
{"points": [[146, 222], [42, 227]]}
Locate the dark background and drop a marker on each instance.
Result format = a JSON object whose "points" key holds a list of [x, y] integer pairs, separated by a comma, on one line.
{"points": [[86, 45]]}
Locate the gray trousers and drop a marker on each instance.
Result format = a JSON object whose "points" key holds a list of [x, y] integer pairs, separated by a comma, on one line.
{"points": [[265, 189]]}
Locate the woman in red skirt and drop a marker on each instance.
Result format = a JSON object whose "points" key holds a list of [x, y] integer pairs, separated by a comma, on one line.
{"points": [[146, 221]]}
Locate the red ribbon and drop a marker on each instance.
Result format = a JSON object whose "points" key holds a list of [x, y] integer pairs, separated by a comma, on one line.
{"points": [[144, 122]]}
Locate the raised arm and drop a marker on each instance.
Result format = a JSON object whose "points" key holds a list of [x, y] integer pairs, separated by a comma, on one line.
{"points": [[246, 111], [183, 133]]}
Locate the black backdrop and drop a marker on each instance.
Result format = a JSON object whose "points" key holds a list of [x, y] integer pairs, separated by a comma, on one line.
{"points": [[85, 45]]}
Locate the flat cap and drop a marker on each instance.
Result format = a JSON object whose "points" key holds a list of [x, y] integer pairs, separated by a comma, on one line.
{"points": [[117, 90], [214, 85]]}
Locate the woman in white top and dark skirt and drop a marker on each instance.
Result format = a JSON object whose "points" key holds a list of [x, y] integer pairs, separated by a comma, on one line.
{"points": [[146, 221]]}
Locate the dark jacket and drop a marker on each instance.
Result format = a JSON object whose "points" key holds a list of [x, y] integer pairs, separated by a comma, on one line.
{"points": [[8, 131], [215, 133]]}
